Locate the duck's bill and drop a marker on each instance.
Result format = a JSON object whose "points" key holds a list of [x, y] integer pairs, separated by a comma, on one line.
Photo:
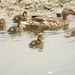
{"points": [[23, 22]]}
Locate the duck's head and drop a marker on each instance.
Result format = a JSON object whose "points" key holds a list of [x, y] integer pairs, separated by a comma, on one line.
{"points": [[40, 37], [67, 12], [19, 26], [25, 14], [2, 21]]}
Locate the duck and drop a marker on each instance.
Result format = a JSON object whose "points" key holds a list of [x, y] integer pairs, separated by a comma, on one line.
{"points": [[19, 18], [48, 21], [2, 23], [15, 29], [36, 42]]}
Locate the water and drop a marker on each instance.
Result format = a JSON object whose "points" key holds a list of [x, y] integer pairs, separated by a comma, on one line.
{"points": [[56, 57]]}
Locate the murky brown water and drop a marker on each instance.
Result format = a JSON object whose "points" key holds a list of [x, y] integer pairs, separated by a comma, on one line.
{"points": [[55, 57]]}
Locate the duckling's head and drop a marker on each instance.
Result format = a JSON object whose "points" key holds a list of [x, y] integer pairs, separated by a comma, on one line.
{"points": [[19, 26], [25, 14], [2, 21], [67, 12], [40, 37]]}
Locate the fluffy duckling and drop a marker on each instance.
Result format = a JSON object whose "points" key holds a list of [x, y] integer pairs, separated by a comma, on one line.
{"points": [[50, 21], [2, 23], [15, 29], [19, 18], [37, 42]]}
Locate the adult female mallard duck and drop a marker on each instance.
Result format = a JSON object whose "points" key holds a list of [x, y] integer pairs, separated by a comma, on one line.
{"points": [[19, 18], [37, 42], [50, 21], [2, 23], [15, 29]]}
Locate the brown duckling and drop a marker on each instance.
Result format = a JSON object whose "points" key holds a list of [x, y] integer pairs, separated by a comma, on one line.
{"points": [[37, 42], [50, 21], [19, 18], [15, 29], [2, 23], [73, 32]]}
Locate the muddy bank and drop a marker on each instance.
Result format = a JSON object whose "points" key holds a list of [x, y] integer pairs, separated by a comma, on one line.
{"points": [[12, 7]]}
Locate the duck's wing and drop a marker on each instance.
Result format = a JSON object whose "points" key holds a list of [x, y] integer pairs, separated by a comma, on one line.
{"points": [[40, 17], [55, 22], [46, 21]]}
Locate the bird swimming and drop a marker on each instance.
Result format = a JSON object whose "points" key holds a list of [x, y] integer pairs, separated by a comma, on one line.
{"points": [[19, 18], [15, 29], [36, 42]]}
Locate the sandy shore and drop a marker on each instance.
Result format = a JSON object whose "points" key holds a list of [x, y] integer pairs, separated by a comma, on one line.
{"points": [[12, 7]]}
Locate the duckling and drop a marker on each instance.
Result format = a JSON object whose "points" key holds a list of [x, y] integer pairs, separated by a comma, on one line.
{"points": [[50, 21], [22, 17], [73, 32], [15, 29], [2, 23], [37, 42]]}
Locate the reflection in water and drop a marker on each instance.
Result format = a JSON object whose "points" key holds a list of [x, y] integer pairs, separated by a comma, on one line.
{"points": [[2, 29], [34, 30], [65, 27], [37, 30], [2, 32], [13, 35]]}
